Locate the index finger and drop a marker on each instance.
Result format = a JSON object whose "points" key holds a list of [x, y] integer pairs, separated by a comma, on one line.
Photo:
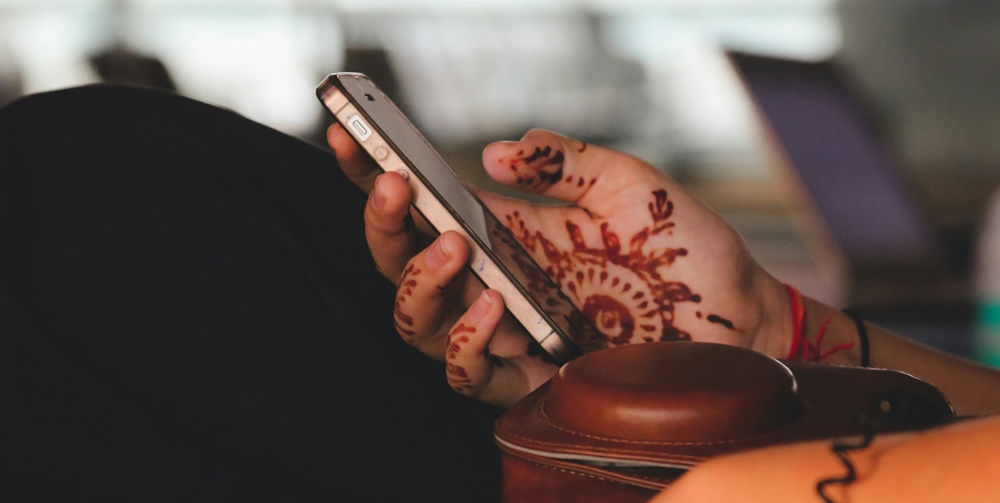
{"points": [[354, 162], [570, 170]]}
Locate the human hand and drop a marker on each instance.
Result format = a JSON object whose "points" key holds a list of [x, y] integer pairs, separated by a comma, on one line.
{"points": [[641, 258], [441, 309]]}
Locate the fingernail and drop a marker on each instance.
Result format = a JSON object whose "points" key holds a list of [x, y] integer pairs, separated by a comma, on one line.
{"points": [[378, 199], [481, 306], [438, 255]]}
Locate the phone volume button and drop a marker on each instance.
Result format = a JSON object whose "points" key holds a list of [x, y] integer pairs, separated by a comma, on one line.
{"points": [[403, 173], [381, 152]]}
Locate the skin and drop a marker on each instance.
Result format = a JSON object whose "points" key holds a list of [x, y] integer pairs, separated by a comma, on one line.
{"points": [[625, 218], [638, 226], [954, 463]]}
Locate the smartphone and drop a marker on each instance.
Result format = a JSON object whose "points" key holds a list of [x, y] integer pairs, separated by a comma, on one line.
{"points": [[446, 203]]}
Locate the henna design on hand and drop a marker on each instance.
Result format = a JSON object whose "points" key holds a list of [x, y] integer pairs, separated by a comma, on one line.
{"points": [[714, 318], [541, 168], [457, 376], [599, 280], [458, 379], [620, 289], [404, 322], [455, 346]]}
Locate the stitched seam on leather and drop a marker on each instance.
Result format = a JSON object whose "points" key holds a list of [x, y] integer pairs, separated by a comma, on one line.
{"points": [[550, 422], [604, 449], [596, 477]]}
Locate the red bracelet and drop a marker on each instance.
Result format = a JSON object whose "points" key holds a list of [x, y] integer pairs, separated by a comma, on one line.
{"points": [[800, 345], [798, 316]]}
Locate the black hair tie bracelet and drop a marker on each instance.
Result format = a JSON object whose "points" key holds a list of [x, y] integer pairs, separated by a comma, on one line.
{"points": [[862, 334]]}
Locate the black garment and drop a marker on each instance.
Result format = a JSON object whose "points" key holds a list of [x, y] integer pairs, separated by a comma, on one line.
{"points": [[188, 311]]}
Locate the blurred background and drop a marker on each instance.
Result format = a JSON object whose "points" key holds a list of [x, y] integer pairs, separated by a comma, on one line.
{"points": [[650, 77]]}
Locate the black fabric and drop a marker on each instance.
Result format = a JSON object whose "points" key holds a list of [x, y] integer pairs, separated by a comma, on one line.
{"points": [[188, 311]]}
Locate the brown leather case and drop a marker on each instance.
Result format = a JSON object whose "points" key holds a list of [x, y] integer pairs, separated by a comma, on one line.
{"points": [[623, 423]]}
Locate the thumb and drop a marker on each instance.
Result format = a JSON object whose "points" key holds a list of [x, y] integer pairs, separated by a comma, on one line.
{"points": [[562, 168]]}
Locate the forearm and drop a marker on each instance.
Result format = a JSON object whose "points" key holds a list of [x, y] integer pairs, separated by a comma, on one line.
{"points": [[952, 463], [971, 388]]}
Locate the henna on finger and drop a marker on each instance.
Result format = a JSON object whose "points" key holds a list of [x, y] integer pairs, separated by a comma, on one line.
{"points": [[537, 169], [404, 322], [467, 345], [457, 377], [421, 307]]}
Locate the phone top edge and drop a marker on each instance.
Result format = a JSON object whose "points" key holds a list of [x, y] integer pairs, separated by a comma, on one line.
{"points": [[349, 74], [333, 81]]}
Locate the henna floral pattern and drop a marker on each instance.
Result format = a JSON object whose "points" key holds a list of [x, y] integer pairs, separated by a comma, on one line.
{"points": [[618, 287], [457, 377], [403, 321], [620, 290], [542, 167]]}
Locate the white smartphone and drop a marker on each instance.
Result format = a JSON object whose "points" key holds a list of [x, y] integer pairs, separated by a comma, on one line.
{"points": [[444, 200]]}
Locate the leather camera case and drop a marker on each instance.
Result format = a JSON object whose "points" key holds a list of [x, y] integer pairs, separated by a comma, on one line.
{"points": [[621, 424]]}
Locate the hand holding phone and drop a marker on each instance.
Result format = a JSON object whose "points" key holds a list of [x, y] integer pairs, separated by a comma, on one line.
{"points": [[447, 204], [635, 254]]}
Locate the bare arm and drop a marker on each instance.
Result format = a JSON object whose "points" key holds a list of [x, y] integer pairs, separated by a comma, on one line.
{"points": [[971, 388], [609, 210], [953, 463]]}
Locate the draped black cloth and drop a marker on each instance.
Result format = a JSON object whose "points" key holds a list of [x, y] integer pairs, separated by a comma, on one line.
{"points": [[188, 311]]}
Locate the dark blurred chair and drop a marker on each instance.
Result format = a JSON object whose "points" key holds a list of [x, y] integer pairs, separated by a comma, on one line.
{"points": [[122, 65]]}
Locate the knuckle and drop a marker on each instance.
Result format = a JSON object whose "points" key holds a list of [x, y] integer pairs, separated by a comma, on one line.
{"points": [[402, 311], [545, 134], [382, 224], [459, 379], [364, 180]]}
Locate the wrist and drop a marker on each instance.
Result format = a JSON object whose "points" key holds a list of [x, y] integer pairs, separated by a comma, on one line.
{"points": [[837, 343], [773, 336]]}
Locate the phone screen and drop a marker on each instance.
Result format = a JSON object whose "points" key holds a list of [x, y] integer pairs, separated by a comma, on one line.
{"points": [[490, 234]]}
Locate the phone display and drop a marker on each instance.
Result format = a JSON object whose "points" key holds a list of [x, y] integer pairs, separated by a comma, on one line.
{"points": [[444, 200]]}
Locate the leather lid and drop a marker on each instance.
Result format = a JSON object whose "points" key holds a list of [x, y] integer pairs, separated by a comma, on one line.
{"points": [[738, 393], [675, 404]]}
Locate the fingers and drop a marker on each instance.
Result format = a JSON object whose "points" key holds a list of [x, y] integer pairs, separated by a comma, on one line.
{"points": [[430, 288], [354, 162], [389, 228], [467, 361], [470, 367], [563, 168], [419, 310]]}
